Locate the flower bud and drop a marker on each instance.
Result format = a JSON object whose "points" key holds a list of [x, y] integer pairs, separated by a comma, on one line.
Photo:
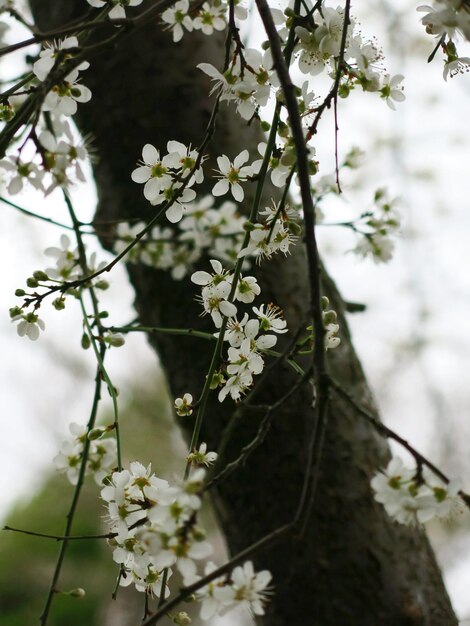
{"points": [[86, 342], [116, 340], [7, 112], [32, 282], [294, 228], [77, 593], [217, 380], [59, 303], [182, 619], [96, 433], [40, 275], [20, 292], [329, 317], [15, 310], [343, 91]]}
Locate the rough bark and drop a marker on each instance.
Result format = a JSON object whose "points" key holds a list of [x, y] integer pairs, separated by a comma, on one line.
{"points": [[353, 566]]}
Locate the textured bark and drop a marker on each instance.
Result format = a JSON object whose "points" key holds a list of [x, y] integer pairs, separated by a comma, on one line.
{"points": [[353, 567]]}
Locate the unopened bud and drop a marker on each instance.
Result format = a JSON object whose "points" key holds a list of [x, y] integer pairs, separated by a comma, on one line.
{"points": [[115, 340], [77, 593], [74, 593], [329, 317], [96, 433], [86, 342], [324, 303], [294, 228], [217, 380], [40, 275], [182, 619], [59, 304], [20, 292], [32, 282]]}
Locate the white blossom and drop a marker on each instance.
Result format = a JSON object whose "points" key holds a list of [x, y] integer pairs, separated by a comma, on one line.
{"points": [[64, 96], [210, 18], [231, 175], [48, 56], [29, 325], [183, 406], [202, 457], [177, 17], [392, 91]]}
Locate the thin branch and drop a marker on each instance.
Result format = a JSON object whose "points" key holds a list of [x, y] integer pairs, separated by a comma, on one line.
{"points": [[185, 592], [333, 93], [318, 359], [36, 215], [58, 537], [188, 332], [263, 430], [73, 507]]}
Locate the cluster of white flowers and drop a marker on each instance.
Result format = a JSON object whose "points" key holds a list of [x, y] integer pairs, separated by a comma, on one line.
{"points": [[66, 269], [247, 337], [276, 233], [376, 227], [155, 529], [64, 95], [217, 232], [242, 588], [319, 46], [58, 162], [101, 458], [163, 177], [247, 81], [58, 157], [216, 289], [410, 496], [448, 20], [208, 18], [155, 525]]}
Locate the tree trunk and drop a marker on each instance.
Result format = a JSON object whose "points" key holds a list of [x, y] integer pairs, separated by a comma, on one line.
{"points": [[353, 566]]}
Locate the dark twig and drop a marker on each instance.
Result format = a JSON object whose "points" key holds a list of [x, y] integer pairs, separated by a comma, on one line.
{"points": [[185, 592], [263, 430], [58, 537]]}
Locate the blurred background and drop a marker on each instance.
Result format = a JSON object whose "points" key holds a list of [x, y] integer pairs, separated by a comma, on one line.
{"points": [[413, 337]]}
